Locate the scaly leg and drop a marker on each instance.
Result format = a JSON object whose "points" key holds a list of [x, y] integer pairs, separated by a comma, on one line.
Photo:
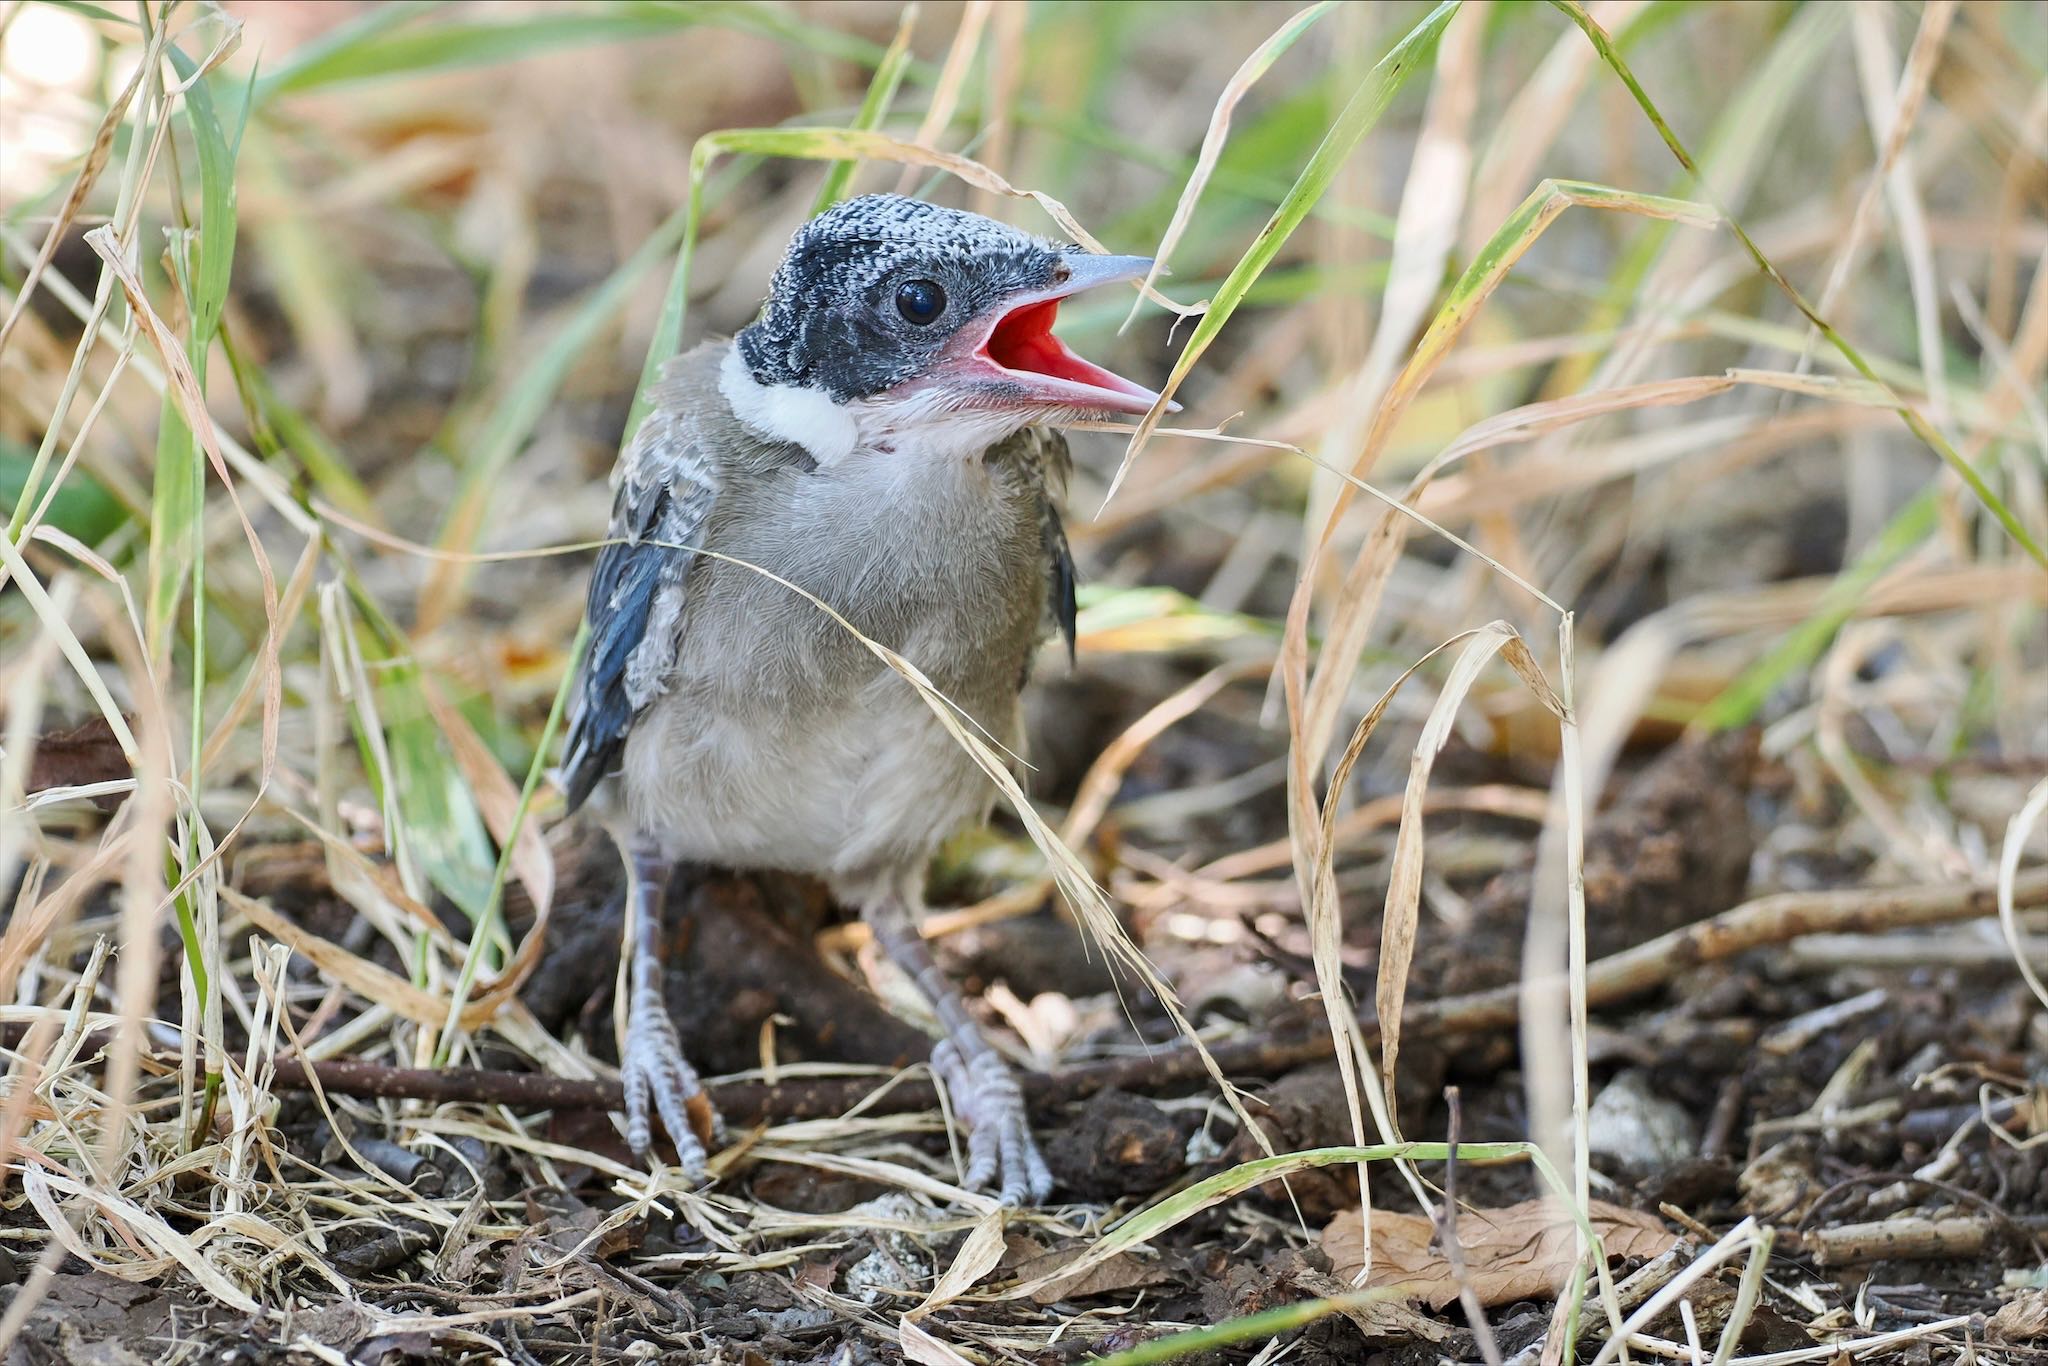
{"points": [[999, 1142], [653, 1067]]}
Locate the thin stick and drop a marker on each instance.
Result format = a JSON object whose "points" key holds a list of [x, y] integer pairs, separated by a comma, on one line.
{"points": [[1454, 1251], [1754, 924]]}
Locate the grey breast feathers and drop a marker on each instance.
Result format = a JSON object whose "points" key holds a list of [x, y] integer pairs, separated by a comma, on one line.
{"points": [[689, 451]]}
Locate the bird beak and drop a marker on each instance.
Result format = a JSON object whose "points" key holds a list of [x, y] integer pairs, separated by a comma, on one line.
{"points": [[1009, 358]]}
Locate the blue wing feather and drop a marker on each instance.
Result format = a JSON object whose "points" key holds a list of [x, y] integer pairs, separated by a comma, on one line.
{"points": [[634, 607]]}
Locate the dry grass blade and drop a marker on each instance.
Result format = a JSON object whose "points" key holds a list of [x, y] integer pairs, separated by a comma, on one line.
{"points": [[1246, 76], [1211, 1191], [1746, 1296], [74, 653], [999, 94], [1314, 845], [434, 318], [2024, 822], [920, 1346], [1312, 839], [1100, 783], [977, 1257], [1892, 124], [1530, 123], [17, 741], [1737, 1242], [1425, 230], [945, 98], [1358, 596], [1910, 415], [1357, 118], [192, 403], [1404, 890], [170, 1245], [358, 974], [74, 200], [1892, 113]]}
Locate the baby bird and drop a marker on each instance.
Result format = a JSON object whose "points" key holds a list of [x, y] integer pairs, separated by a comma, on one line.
{"points": [[883, 438]]}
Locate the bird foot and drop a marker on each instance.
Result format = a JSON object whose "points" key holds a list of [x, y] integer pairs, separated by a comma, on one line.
{"points": [[659, 1079], [999, 1142]]}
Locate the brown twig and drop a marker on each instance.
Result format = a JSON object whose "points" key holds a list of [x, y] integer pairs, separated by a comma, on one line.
{"points": [[782, 1101], [1755, 924], [1901, 1238], [1969, 1197], [1454, 1251]]}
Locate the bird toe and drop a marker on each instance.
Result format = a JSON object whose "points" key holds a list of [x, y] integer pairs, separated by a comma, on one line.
{"points": [[1001, 1154], [659, 1080]]}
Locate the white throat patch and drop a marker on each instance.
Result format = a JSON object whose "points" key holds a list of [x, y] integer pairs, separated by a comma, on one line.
{"points": [[789, 412], [920, 423]]}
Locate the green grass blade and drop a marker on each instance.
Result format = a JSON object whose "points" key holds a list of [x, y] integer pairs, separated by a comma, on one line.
{"points": [[1248, 74], [1182, 1205], [1375, 91], [1750, 120], [202, 262], [442, 822], [489, 922], [434, 827], [100, 13], [173, 523], [310, 63], [177, 501], [374, 49], [1267, 1323], [218, 142], [280, 429], [873, 109], [1240, 175]]}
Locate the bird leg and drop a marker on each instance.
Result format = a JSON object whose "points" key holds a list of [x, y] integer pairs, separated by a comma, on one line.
{"points": [[999, 1142], [652, 1065]]}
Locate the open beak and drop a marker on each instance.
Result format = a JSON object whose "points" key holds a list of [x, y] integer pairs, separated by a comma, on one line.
{"points": [[1011, 359]]}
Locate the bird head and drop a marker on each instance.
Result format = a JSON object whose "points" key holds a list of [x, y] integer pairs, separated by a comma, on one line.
{"points": [[901, 313]]}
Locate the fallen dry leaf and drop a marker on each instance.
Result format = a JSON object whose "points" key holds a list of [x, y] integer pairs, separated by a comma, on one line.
{"points": [[1125, 1271], [1521, 1252], [2022, 1319], [87, 754]]}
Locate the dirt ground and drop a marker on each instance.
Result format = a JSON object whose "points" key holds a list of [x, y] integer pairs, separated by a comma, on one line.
{"points": [[1867, 1099]]}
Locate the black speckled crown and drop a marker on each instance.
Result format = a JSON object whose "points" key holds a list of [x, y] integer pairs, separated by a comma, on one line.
{"points": [[831, 321]]}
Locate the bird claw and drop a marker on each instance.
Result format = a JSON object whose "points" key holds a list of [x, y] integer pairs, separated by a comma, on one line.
{"points": [[999, 1142], [659, 1079]]}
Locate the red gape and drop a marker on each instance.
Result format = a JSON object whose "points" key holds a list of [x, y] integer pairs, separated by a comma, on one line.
{"points": [[1023, 341]]}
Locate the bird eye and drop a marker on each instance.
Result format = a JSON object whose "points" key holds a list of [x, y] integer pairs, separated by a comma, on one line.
{"points": [[920, 302]]}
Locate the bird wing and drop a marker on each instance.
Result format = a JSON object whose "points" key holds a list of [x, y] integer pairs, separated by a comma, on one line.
{"points": [[665, 492], [1050, 465], [1059, 561]]}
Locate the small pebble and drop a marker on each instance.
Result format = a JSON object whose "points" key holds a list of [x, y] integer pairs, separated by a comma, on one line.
{"points": [[1638, 1128]]}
